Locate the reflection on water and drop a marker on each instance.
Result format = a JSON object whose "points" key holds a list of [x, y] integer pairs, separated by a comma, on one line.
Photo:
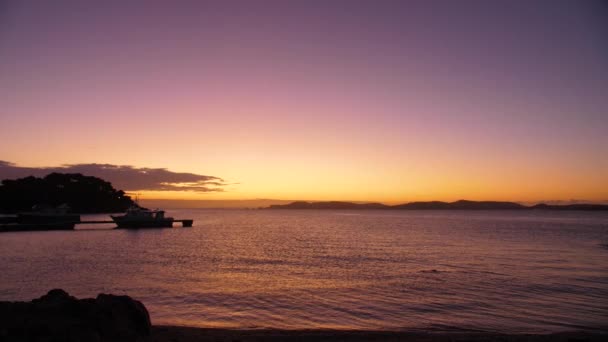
{"points": [[500, 271]]}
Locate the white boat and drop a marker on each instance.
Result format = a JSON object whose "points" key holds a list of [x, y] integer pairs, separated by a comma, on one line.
{"points": [[137, 217], [58, 217]]}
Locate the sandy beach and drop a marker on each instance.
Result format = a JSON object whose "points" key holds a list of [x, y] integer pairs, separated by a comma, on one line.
{"points": [[190, 334]]}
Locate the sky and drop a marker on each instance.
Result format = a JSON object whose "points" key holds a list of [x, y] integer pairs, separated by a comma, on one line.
{"points": [[389, 101]]}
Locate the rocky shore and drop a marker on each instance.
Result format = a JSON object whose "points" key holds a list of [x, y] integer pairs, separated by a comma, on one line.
{"points": [[57, 316]]}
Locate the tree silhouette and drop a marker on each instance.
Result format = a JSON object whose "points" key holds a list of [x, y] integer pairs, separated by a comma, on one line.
{"points": [[84, 194]]}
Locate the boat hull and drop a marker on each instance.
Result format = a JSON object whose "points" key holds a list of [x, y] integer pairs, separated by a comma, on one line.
{"points": [[28, 227], [35, 221], [137, 224], [47, 219]]}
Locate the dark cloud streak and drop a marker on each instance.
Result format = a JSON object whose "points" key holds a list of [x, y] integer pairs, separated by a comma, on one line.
{"points": [[125, 177]]}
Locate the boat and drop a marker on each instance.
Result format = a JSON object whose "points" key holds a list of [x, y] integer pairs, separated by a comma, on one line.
{"points": [[26, 227], [137, 217], [45, 217], [41, 218]]}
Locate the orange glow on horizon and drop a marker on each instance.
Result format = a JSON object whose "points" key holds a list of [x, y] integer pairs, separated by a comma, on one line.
{"points": [[392, 106]]}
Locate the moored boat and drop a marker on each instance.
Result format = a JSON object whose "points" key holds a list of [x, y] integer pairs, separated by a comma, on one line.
{"points": [[26, 227], [41, 218], [48, 218], [137, 217]]}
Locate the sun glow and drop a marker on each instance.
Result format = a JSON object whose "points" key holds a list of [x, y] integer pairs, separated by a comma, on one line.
{"points": [[374, 111]]}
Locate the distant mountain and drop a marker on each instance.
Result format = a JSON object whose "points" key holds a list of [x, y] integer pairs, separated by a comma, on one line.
{"points": [[580, 206], [461, 205], [329, 205], [437, 205], [210, 204]]}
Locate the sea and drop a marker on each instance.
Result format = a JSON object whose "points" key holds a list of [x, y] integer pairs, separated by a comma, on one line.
{"points": [[494, 271]]}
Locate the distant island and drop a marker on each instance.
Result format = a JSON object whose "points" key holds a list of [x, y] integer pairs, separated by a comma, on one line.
{"points": [[83, 194], [436, 205]]}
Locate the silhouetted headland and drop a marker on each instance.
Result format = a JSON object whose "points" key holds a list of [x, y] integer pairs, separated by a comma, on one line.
{"points": [[83, 194], [56, 201], [437, 205]]}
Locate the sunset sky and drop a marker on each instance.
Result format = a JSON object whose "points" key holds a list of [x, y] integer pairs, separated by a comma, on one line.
{"points": [[390, 101]]}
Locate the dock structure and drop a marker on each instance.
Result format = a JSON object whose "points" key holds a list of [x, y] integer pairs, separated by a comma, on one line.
{"points": [[12, 224], [185, 223]]}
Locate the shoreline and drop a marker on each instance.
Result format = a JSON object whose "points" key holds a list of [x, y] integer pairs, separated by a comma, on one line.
{"points": [[161, 333], [61, 317]]}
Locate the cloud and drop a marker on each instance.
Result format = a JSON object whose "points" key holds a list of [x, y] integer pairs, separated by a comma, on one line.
{"points": [[124, 177]]}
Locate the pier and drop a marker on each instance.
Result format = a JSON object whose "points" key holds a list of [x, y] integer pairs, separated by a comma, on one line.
{"points": [[185, 223], [12, 224]]}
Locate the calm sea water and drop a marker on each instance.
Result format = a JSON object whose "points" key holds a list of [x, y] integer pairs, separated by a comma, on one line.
{"points": [[536, 271]]}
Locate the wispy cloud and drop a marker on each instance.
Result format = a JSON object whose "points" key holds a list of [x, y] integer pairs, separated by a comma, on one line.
{"points": [[125, 177]]}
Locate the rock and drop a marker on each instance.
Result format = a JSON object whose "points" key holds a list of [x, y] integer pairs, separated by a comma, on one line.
{"points": [[54, 297], [57, 316], [126, 313]]}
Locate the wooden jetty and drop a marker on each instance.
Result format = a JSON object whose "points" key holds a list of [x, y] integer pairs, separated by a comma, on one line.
{"points": [[11, 224], [58, 219], [185, 223]]}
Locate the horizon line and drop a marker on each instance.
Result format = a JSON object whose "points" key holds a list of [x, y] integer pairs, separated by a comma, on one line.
{"points": [[571, 201]]}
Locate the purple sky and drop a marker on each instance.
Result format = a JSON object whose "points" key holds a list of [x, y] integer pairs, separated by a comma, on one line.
{"points": [[381, 100]]}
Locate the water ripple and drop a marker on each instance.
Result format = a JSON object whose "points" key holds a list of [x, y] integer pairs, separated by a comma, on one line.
{"points": [[466, 271]]}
